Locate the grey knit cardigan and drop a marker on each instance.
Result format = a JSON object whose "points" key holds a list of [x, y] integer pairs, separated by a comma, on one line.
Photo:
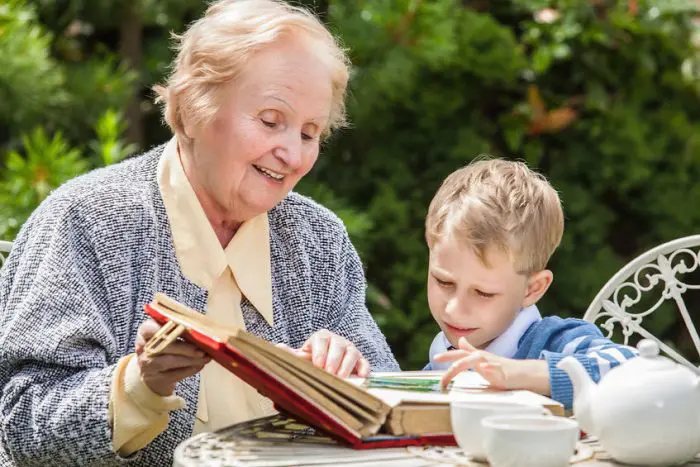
{"points": [[72, 295]]}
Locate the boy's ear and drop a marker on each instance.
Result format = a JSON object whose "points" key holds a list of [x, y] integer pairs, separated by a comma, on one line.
{"points": [[537, 285]]}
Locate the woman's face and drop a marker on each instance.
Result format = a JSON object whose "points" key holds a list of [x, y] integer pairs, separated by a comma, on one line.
{"points": [[265, 135]]}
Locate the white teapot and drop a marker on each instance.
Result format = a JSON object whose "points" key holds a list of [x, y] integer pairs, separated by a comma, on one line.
{"points": [[645, 411]]}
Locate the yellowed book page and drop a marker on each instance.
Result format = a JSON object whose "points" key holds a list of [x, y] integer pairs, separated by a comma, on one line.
{"points": [[191, 319], [413, 420], [467, 386], [371, 418], [319, 400], [351, 391]]}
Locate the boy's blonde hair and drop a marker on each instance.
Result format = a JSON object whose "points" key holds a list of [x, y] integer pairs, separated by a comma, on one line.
{"points": [[502, 204], [216, 48]]}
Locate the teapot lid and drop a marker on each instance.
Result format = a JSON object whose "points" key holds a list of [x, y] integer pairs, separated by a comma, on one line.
{"points": [[649, 358]]}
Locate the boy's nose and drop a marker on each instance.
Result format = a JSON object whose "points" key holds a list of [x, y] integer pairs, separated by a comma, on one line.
{"points": [[456, 307]]}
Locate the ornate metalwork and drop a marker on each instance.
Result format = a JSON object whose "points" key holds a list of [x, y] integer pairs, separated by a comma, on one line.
{"points": [[663, 268], [277, 441]]}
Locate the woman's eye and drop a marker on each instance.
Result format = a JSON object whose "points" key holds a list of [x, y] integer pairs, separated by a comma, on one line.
{"points": [[306, 137], [268, 123], [484, 294]]}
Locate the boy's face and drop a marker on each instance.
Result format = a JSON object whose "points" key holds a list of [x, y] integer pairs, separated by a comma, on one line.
{"points": [[469, 299]]}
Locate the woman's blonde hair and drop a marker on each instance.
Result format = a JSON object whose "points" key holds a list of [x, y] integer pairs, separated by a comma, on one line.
{"points": [[215, 49], [502, 204]]}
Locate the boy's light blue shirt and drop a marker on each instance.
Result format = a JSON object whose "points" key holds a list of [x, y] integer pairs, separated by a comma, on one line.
{"points": [[551, 339]]}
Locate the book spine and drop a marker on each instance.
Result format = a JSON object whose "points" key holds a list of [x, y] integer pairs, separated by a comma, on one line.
{"points": [[430, 440]]}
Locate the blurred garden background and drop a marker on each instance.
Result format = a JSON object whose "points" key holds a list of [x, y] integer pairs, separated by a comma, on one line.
{"points": [[602, 96]]}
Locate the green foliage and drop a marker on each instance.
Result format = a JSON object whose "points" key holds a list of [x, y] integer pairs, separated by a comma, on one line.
{"points": [[94, 85], [36, 88], [108, 146], [30, 79], [46, 162], [602, 99], [29, 178], [50, 108]]}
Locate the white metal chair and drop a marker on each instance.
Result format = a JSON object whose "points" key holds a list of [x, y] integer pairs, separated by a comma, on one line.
{"points": [[5, 248], [664, 269]]}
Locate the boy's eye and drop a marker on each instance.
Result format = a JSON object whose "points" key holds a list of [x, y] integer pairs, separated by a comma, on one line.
{"points": [[306, 137], [483, 294], [443, 283]]}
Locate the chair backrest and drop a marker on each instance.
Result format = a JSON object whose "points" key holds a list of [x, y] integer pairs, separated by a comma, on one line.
{"points": [[5, 248], [663, 269]]}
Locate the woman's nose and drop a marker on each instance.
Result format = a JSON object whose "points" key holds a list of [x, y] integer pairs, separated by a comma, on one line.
{"points": [[289, 151]]}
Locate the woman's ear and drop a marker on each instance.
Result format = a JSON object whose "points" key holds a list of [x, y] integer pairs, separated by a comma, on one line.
{"points": [[187, 127], [537, 285]]}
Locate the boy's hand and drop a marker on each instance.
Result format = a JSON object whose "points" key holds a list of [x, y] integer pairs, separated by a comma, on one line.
{"points": [[500, 372], [333, 353]]}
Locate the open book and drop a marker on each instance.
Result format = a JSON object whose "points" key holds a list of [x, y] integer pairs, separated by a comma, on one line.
{"points": [[384, 410]]}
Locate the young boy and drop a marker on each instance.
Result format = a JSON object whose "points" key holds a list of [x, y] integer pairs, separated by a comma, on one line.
{"points": [[491, 229]]}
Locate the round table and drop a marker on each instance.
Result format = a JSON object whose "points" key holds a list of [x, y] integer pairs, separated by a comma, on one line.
{"points": [[277, 441]]}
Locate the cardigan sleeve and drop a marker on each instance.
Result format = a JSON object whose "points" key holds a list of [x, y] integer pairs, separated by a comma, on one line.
{"points": [[58, 350], [583, 341], [349, 314], [136, 413]]}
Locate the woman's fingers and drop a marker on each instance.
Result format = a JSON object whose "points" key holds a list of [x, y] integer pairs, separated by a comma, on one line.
{"points": [[177, 361], [163, 363], [148, 329], [164, 383], [302, 353], [183, 349], [350, 359], [319, 348], [333, 353], [362, 367], [336, 353], [306, 355]]}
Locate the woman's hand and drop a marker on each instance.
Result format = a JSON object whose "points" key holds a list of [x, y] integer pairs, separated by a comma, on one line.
{"points": [[178, 361], [333, 353], [500, 372]]}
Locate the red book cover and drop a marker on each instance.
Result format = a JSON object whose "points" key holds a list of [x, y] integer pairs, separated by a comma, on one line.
{"points": [[287, 399]]}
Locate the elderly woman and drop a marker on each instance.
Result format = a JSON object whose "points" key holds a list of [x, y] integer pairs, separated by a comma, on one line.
{"points": [[209, 219]]}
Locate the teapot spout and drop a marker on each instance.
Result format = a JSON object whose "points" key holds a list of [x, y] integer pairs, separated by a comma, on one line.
{"points": [[584, 388]]}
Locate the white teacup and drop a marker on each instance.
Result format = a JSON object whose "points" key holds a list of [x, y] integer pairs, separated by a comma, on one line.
{"points": [[466, 417], [529, 440]]}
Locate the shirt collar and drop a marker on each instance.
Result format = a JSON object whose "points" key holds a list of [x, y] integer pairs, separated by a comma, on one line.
{"points": [[505, 345], [199, 253]]}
